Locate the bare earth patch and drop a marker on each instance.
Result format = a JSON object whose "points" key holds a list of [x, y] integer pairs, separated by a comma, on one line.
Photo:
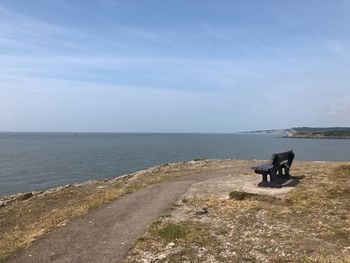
{"points": [[309, 224]]}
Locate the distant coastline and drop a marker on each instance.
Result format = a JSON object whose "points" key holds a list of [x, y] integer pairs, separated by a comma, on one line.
{"points": [[318, 135], [309, 132]]}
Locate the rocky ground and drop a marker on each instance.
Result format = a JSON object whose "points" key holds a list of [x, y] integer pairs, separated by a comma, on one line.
{"points": [[26, 217], [309, 224]]}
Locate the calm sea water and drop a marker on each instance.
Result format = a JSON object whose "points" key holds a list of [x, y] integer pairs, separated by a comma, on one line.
{"points": [[37, 161]]}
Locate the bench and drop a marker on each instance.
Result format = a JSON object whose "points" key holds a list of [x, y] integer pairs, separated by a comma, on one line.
{"points": [[279, 162]]}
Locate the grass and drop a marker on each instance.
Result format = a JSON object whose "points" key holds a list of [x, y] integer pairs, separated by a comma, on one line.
{"points": [[200, 159], [312, 224], [322, 134], [172, 231], [182, 234], [22, 222], [239, 195]]}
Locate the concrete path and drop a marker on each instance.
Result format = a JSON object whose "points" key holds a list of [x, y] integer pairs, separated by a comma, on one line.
{"points": [[219, 187], [108, 233]]}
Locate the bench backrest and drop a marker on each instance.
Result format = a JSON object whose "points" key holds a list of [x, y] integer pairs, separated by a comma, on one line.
{"points": [[286, 157]]}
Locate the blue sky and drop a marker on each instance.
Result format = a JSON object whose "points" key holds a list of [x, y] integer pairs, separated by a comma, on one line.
{"points": [[173, 66]]}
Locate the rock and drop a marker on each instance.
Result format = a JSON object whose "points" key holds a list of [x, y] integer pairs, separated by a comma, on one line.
{"points": [[170, 245], [3, 203], [167, 253], [202, 211], [37, 192], [161, 256], [25, 196], [202, 251]]}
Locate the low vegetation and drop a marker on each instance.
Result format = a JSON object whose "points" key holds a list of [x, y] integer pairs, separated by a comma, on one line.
{"points": [[311, 224], [240, 195], [200, 159], [173, 231], [23, 221], [321, 134]]}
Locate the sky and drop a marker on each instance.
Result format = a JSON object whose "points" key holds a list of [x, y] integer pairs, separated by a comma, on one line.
{"points": [[173, 66]]}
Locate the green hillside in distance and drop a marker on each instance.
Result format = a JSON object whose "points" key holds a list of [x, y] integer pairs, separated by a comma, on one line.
{"points": [[320, 129], [320, 133], [309, 132]]}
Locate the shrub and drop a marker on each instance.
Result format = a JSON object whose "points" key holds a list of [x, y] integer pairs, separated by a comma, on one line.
{"points": [[238, 195], [200, 159]]}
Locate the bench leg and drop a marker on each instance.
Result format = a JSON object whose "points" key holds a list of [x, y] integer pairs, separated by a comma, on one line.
{"points": [[273, 176], [280, 171], [272, 183], [264, 182], [286, 174]]}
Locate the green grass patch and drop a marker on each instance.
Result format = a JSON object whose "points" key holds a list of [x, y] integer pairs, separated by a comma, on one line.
{"points": [[342, 171], [172, 231], [200, 159], [237, 195], [184, 200]]}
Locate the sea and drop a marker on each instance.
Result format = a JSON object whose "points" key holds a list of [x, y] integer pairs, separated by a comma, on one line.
{"points": [[38, 161]]}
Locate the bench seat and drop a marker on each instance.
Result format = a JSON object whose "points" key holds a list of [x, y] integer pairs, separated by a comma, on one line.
{"points": [[262, 168]]}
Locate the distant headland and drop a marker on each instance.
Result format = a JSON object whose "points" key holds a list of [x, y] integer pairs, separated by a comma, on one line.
{"points": [[309, 132]]}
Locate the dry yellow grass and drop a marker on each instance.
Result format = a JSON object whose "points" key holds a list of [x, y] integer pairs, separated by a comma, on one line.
{"points": [[312, 224], [21, 222]]}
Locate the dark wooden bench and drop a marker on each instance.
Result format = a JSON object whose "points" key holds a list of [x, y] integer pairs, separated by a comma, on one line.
{"points": [[279, 162]]}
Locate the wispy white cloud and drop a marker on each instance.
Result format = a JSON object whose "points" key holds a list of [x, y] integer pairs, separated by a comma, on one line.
{"points": [[220, 65]]}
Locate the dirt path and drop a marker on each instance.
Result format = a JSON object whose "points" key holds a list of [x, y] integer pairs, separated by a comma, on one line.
{"points": [[108, 233]]}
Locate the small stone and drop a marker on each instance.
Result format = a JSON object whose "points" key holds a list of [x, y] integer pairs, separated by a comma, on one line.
{"points": [[161, 256], [202, 211], [170, 245]]}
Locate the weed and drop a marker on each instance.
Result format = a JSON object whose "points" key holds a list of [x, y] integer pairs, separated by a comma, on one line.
{"points": [[173, 231], [238, 195], [200, 159]]}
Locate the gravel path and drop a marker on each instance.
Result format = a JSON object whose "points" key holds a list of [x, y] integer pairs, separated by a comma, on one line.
{"points": [[108, 233]]}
